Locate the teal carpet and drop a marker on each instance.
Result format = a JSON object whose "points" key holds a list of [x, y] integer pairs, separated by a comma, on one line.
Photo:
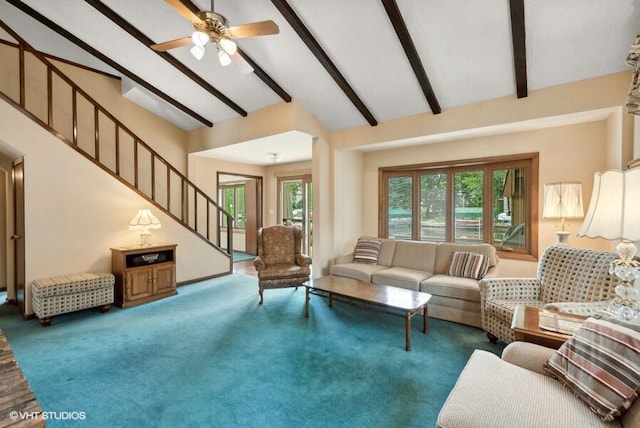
{"points": [[211, 356], [239, 256]]}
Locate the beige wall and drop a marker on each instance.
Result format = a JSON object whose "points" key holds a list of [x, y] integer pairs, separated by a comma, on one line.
{"points": [[577, 128], [567, 153], [75, 212]]}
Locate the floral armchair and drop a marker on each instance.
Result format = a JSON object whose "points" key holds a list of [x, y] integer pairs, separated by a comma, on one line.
{"points": [[564, 274], [280, 262]]}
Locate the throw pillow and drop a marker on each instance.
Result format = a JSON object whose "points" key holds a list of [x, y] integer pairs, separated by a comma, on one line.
{"points": [[468, 265], [600, 364], [367, 251]]}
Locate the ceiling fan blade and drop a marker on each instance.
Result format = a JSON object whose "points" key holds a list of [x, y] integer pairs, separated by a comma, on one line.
{"points": [[241, 63], [172, 44], [262, 28], [183, 10]]}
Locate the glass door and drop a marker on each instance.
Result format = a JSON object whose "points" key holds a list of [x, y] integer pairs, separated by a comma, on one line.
{"points": [[295, 207]]}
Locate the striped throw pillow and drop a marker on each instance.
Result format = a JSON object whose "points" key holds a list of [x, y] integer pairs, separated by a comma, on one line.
{"points": [[367, 251], [600, 364], [468, 265]]}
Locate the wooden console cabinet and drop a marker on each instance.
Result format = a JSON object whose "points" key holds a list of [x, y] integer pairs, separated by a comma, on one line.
{"points": [[143, 273]]}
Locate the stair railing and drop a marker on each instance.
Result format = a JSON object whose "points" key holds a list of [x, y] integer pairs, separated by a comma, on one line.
{"points": [[73, 116]]}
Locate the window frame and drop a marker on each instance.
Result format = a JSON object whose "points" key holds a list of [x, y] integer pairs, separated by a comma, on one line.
{"points": [[528, 161], [235, 214]]}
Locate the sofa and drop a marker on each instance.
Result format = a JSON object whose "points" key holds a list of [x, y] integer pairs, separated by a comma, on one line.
{"points": [[425, 266], [525, 388], [565, 274]]}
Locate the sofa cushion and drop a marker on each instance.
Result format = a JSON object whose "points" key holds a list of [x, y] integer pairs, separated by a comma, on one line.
{"points": [[451, 286], [400, 277], [415, 255], [361, 271], [600, 364], [491, 392], [468, 265], [367, 251], [446, 249]]}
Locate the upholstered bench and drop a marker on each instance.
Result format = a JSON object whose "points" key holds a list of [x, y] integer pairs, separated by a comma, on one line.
{"points": [[68, 293]]}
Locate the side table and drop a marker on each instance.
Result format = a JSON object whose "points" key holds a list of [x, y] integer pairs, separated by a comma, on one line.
{"points": [[525, 325]]}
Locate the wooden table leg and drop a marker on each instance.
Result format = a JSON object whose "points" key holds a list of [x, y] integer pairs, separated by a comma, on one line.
{"points": [[425, 320], [306, 303], [407, 331]]}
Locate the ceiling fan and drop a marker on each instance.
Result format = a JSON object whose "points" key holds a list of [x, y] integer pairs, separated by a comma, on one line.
{"points": [[211, 27]]}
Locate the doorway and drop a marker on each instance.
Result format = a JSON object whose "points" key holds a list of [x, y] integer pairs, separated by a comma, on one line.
{"points": [[295, 206], [18, 233], [241, 196]]}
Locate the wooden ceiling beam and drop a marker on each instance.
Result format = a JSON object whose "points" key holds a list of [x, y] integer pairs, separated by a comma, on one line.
{"points": [[312, 44], [257, 70], [412, 54], [73, 39], [142, 38], [518, 36]]}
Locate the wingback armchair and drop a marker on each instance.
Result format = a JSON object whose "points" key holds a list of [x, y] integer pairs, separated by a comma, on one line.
{"points": [[564, 274], [280, 262]]}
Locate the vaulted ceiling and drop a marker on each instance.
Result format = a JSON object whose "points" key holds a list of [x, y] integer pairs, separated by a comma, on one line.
{"points": [[347, 62]]}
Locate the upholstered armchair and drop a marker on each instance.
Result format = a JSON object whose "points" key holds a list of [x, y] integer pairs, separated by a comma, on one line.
{"points": [[280, 262], [564, 274]]}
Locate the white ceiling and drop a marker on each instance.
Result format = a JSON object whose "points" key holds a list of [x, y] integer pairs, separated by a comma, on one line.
{"points": [[465, 47]]}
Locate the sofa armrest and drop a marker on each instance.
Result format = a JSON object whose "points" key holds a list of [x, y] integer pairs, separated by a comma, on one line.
{"points": [[259, 263], [528, 355], [509, 288], [303, 260], [347, 258]]}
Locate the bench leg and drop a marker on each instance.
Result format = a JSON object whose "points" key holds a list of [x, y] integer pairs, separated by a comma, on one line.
{"points": [[105, 308], [46, 321]]}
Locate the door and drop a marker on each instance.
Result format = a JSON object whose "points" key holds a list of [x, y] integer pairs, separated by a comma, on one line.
{"points": [[296, 207], [252, 217], [18, 233]]}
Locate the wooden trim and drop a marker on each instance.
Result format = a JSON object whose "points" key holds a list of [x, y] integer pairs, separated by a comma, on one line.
{"points": [[528, 161], [287, 12], [410, 51], [123, 70], [518, 37]]}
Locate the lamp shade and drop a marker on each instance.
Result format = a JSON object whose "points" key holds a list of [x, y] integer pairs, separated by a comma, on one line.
{"points": [[144, 220], [563, 200], [614, 210]]}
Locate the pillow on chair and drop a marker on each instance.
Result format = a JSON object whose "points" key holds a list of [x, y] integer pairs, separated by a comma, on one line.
{"points": [[600, 364]]}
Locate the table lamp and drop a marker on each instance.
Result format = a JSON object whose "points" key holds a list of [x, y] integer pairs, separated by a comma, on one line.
{"points": [[614, 214], [144, 221], [563, 201]]}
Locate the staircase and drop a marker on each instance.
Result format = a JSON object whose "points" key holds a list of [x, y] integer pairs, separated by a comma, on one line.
{"points": [[73, 116]]}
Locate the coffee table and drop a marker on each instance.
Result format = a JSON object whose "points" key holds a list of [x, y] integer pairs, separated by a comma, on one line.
{"points": [[525, 325], [409, 302]]}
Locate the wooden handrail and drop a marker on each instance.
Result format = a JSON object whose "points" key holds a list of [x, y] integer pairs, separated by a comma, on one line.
{"points": [[160, 190]]}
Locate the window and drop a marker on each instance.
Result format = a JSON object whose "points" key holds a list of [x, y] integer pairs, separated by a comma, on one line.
{"points": [[473, 201], [232, 199]]}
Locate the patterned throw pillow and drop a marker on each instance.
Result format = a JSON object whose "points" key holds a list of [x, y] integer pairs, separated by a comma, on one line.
{"points": [[468, 265], [600, 364], [367, 251]]}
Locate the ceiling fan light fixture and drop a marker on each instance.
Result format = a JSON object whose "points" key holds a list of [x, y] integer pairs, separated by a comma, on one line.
{"points": [[200, 38], [197, 51], [228, 45], [224, 58]]}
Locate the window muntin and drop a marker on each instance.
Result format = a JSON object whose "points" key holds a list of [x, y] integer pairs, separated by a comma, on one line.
{"points": [[472, 201], [232, 198]]}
